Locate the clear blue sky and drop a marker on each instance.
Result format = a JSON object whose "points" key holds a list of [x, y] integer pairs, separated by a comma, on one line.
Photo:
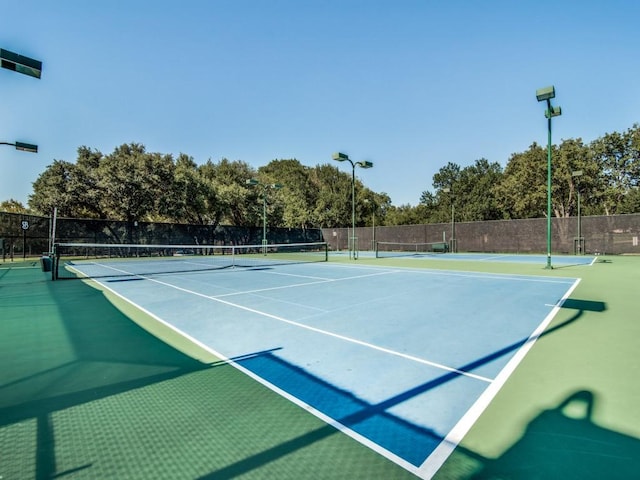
{"points": [[407, 84]]}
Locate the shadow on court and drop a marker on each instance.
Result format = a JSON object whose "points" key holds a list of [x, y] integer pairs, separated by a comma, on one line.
{"points": [[59, 353], [371, 420], [66, 350], [87, 393], [560, 443]]}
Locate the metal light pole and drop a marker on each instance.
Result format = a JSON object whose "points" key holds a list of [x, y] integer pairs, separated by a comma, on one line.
{"points": [[373, 222], [342, 157], [579, 241], [373, 228], [265, 187], [27, 66], [453, 247], [546, 94]]}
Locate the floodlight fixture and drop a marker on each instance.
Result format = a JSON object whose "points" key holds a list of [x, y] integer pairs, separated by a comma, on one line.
{"points": [[365, 164], [252, 181], [23, 147], [546, 93], [26, 147], [20, 63], [553, 112], [340, 157]]}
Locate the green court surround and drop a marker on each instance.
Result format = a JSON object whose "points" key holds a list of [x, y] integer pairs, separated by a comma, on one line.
{"points": [[88, 390]]}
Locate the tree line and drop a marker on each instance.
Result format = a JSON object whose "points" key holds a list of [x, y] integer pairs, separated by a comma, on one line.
{"points": [[131, 184]]}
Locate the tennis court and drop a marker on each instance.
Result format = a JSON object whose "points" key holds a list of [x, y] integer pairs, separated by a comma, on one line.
{"points": [[399, 359], [405, 362], [440, 250]]}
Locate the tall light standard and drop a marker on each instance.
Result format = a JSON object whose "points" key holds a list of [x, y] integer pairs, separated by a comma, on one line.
{"points": [[546, 94], [265, 187], [343, 157], [578, 244], [27, 66], [33, 68]]}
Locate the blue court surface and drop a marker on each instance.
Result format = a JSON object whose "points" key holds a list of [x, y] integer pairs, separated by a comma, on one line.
{"points": [[556, 260], [402, 360]]}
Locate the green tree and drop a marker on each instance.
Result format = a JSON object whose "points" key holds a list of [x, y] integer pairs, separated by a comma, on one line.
{"points": [[374, 208], [71, 187], [233, 196], [573, 157], [445, 182], [13, 206], [471, 189], [474, 194], [85, 184], [447, 176], [631, 201], [407, 214], [618, 158], [522, 191], [131, 184], [134, 183], [193, 197], [298, 197], [54, 188], [333, 204]]}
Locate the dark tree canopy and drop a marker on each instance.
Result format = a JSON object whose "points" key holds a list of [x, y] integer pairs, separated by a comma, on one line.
{"points": [[132, 184]]}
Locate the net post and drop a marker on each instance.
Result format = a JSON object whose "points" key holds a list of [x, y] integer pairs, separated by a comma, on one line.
{"points": [[264, 246], [353, 248], [54, 261]]}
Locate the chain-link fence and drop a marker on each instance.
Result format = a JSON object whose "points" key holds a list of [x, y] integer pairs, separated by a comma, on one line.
{"points": [[23, 236], [615, 234]]}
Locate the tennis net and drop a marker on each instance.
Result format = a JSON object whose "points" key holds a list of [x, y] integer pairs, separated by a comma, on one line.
{"points": [[405, 249], [81, 260]]}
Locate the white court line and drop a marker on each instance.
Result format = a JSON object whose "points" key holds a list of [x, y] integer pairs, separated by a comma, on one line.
{"points": [[431, 465], [434, 461], [489, 258], [320, 280], [319, 330], [329, 334], [468, 274], [295, 285], [296, 275], [295, 400]]}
